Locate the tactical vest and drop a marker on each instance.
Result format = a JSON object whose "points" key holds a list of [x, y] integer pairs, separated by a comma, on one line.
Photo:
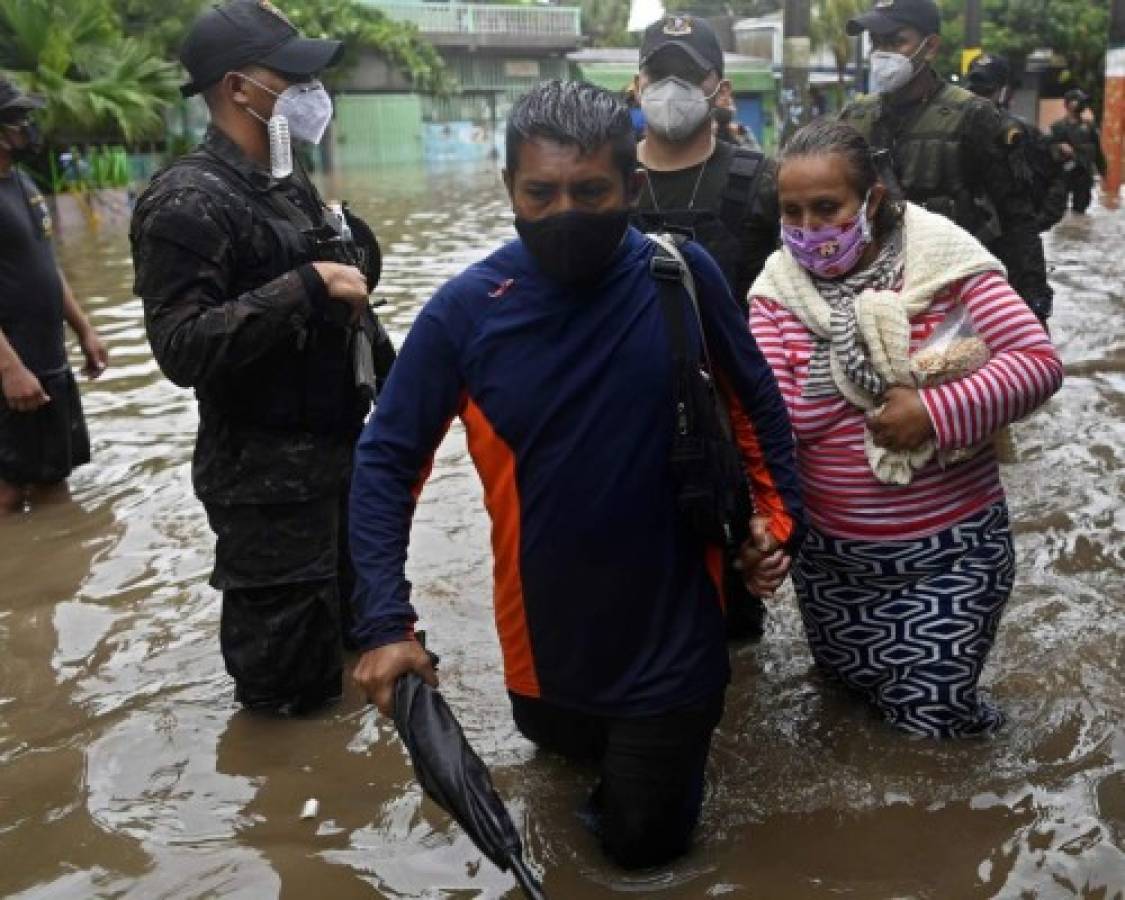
{"points": [[1035, 169], [1083, 137], [929, 156], [308, 385], [717, 232]]}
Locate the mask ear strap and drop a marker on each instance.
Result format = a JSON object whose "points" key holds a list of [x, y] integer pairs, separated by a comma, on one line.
{"points": [[864, 222], [258, 84]]}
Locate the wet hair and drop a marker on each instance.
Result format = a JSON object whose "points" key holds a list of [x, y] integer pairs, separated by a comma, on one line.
{"points": [[830, 137], [573, 113]]}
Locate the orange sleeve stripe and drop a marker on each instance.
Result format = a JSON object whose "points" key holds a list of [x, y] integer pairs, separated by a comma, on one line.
{"points": [[496, 464], [767, 501], [714, 563], [424, 474]]}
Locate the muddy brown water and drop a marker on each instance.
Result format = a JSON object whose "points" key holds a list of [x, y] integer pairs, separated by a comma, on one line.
{"points": [[126, 770]]}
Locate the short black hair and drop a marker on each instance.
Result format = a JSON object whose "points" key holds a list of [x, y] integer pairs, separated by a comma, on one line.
{"points": [[828, 137], [574, 113]]}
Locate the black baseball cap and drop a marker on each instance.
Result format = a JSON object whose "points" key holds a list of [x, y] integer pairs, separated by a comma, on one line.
{"points": [[688, 34], [890, 15], [1076, 94], [244, 32], [988, 72], [12, 100]]}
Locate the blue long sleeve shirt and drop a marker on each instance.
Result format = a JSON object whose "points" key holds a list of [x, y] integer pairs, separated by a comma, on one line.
{"points": [[604, 601]]}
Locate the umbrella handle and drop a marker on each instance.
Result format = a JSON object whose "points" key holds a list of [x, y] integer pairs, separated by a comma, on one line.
{"points": [[525, 879]]}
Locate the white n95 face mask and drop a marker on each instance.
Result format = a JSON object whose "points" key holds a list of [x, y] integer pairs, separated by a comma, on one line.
{"points": [[891, 72], [308, 109], [674, 108]]}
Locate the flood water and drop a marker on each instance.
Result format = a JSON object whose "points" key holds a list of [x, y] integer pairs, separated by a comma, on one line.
{"points": [[126, 770]]}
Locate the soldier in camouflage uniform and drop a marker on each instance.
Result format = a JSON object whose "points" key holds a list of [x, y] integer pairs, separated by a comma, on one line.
{"points": [[254, 296], [1035, 162], [946, 145], [1077, 137]]}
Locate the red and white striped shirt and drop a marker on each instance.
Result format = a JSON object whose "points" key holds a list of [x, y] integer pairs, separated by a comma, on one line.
{"points": [[843, 497]]}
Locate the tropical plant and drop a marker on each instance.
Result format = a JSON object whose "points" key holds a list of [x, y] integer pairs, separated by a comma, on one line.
{"points": [[364, 27], [605, 23], [96, 82], [746, 8], [827, 28], [163, 24], [1075, 30]]}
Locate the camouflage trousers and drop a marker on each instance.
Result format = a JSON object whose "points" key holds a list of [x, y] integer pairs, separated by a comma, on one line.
{"points": [[286, 578]]}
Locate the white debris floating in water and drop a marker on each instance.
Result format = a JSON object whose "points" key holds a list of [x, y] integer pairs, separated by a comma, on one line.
{"points": [[310, 809]]}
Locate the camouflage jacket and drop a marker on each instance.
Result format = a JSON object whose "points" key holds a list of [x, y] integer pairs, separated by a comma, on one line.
{"points": [[222, 296], [1084, 138], [967, 159]]}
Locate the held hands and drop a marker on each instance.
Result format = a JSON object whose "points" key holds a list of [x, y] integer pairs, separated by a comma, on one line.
{"points": [[22, 390], [97, 356], [764, 564], [379, 669], [345, 284], [902, 423]]}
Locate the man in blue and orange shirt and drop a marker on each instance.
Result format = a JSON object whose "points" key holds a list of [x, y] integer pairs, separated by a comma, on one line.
{"points": [[554, 353]]}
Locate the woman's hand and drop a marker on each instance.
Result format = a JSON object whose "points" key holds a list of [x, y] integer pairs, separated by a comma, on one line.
{"points": [[903, 422], [763, 563]]}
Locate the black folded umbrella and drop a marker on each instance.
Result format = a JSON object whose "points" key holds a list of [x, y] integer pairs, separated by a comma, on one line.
{"points": [[454, 777]]}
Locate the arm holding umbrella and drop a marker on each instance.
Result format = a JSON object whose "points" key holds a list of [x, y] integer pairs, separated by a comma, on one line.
{"points": [[422, 395]]}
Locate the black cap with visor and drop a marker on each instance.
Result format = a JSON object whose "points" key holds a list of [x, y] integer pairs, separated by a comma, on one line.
{"points": [[690, 35], [15, 104], [250, 32], [888, 16]]}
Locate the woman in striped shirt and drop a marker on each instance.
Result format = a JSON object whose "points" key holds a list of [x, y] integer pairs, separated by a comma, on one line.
{"points": [[908, 567]]}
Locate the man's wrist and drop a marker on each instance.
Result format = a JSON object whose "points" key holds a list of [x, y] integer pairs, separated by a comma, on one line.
{"points": [[384, 632], [316, 289]]}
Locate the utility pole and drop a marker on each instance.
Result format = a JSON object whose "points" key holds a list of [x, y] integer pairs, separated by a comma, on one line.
{"points": [[795, 52], [1113, 112], [972, 48]]}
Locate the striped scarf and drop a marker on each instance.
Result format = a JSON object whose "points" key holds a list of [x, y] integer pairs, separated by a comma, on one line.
{"points": [[845, 342]]}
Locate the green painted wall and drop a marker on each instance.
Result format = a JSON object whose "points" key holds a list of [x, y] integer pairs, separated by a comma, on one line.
{"points": [[512, 73], [378, 128]]}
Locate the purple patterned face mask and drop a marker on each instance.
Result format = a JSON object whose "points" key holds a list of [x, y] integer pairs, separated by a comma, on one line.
{"points": [[831, 251]]}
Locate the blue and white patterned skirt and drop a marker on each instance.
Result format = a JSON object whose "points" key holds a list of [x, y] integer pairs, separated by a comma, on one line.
{"points": [[910, 623]]}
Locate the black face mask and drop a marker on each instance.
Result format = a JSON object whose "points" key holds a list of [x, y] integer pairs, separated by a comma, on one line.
{"points": [[574, 247], [34, 145]]}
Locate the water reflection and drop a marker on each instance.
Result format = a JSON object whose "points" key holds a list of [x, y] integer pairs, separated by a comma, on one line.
{"points": [[127, 770]]}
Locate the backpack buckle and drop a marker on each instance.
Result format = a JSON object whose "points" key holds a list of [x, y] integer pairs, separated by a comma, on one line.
{"points": [[666, 267]]}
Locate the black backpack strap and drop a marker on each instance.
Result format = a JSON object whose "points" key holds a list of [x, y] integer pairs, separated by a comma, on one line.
{"points": [[669, 280], [674, 279], [741, 188]]}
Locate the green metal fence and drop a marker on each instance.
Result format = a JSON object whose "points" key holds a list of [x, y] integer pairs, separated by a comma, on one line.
{"points": [[483, 18], [378, 128]]}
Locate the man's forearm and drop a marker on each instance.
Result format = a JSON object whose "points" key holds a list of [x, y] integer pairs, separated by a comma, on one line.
{"points": [[72, 312], [9, 359]]}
